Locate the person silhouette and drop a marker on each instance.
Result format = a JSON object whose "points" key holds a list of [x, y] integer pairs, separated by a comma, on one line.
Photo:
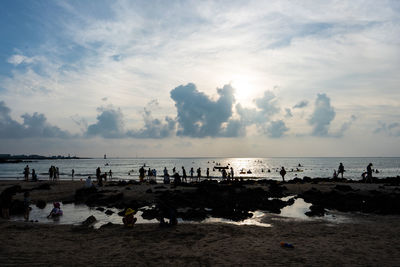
{"points": [[283, 173], [341, 169]]}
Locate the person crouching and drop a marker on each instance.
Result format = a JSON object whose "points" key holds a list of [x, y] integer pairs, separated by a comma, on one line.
{"points": [[129, 220]]}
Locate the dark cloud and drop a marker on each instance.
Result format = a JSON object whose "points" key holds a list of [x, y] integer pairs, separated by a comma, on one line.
{"points": [[301, 104], [34, 125], [288, 113], [109, 123], [154, 128], [322, 116], [200, 116], [391, 129], [276, 129]]}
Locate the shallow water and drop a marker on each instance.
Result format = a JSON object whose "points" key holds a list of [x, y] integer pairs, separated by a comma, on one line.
{"points": [[127, 169], [76, 214]]}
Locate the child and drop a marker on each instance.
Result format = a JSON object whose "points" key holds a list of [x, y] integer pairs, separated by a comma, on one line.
{"points": [[56, 211], [27, 209], [129, 220]]}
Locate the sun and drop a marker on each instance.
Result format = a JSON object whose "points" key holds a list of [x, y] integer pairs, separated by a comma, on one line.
{"points": [[244, 89]]}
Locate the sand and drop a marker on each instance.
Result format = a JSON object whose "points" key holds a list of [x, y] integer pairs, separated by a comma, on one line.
{"points": [[366, 239]]}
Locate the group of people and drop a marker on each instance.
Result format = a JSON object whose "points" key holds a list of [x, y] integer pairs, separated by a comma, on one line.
{"points": [[101, 176], [366, 176], [26, 174], [54, 173]]}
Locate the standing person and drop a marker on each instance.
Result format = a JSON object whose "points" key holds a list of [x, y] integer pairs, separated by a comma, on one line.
{"points": [[141, 174], [191, 174], [173, 170], [98, 173], [341, 169], [198, 174], [34, 176], [232, 173], [208, 172], [184, 176], [51, 173], [58, 173], [283, 173], [26, 173], [166, 176], [110, 174], [27, 209], [72, 174], [369, 172], [224, 174]]}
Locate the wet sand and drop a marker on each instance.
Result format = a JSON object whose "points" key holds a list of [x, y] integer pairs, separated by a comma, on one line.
{"points": [[367, 239]]}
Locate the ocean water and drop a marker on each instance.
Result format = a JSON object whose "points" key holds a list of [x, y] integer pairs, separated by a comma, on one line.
{"points": [[128, 168]]}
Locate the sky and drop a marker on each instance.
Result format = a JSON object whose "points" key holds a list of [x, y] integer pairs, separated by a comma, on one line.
{"points": [[200, 78]]}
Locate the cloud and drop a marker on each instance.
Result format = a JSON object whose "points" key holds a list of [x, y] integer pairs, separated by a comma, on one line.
{"points": [[200, 116], [19, 59], [268, 104], [301, 104], [345, 126], [322, 116], [154, 128], [276, 129], [34, 125], [109, 123], [391, 129], [288, 113]]}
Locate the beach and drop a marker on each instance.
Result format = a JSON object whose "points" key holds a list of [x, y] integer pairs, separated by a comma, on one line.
{"points": [[366, 239]]}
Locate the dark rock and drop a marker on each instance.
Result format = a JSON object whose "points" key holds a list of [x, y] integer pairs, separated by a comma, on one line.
{"points": [[17, 207], [307, 179], [109, 212], [193, 215], [344, 188], [81, 195], [100, 209], [160, 187], [149, 191], [107, 225], [127, 188], [41, 204], [316, 210], [89, 221]]}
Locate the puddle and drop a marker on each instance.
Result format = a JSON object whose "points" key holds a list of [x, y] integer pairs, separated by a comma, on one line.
{"points": [[76, 214], [255, 220], [298, 209]]}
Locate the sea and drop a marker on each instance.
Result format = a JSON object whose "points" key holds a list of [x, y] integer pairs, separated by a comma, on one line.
{"points": [[259, 168]]}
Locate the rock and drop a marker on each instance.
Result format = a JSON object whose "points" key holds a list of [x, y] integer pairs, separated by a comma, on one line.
{"points": [[109, 212], [316, 210], [107, 225], [100, 209], [41, 204], [81, 195], [149, 191], [160, 187], [344, 188], [89, 221]]}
